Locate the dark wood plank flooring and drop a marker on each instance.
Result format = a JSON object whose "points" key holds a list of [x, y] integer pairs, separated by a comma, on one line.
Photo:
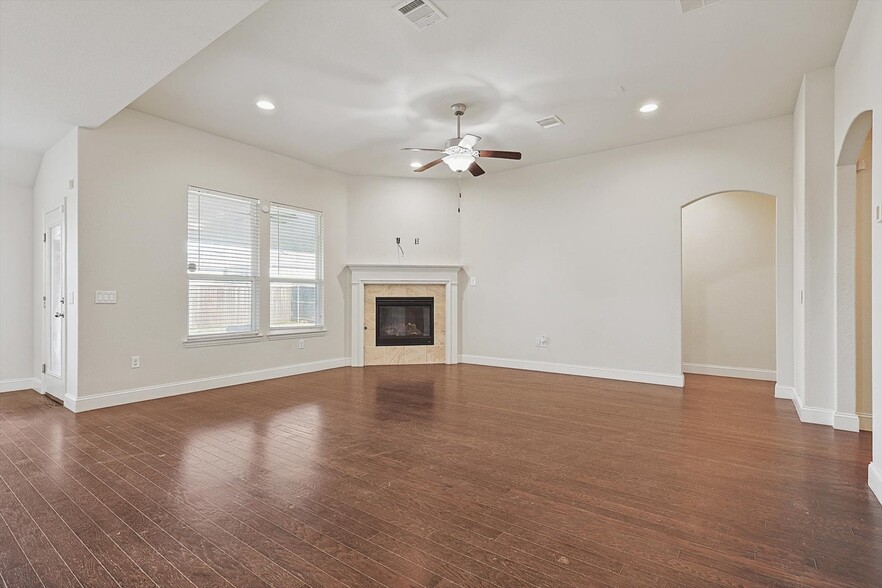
{"points": [[436, 476]]}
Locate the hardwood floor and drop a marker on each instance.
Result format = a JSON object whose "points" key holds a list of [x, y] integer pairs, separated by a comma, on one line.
{"points": [[436, 476]]}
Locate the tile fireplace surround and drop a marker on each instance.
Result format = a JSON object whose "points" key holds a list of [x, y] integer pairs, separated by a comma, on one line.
{"points": [[440, 281]]}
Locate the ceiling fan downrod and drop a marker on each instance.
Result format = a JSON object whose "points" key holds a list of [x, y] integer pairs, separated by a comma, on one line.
{"points": [[458, 110]]}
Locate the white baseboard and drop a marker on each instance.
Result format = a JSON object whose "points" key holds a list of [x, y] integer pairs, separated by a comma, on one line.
{"points": [[577, 370], [729, 371], [811, 414], [818, 416], [874, 478], [105, 400], [19, 384], [846, 422], [866, 421], [784, 392]]}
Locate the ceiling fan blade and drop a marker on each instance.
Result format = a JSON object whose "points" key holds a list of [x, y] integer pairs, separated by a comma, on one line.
{"points": [[476, 169], [429, 165], [469, 141], [500, 154]]}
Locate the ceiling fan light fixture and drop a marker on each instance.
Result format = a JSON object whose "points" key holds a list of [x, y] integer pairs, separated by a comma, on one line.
{"points": [[459, 162], [415, 164]]}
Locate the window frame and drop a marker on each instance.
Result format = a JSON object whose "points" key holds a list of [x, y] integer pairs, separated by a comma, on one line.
{"points": [[254, 279], [308, 330]]}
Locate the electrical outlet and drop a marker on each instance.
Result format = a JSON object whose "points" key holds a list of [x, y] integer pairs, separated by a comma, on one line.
{"points": [[542, 341], [473, 281], [136, 361], [416, 241], [301, 344]]}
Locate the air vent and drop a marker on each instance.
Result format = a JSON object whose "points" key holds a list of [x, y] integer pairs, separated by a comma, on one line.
{"points": [[421, 13], [550, 122], [687, 6]]}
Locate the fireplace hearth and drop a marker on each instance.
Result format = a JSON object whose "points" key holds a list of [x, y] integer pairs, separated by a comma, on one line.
{"points": [[405, 321]]}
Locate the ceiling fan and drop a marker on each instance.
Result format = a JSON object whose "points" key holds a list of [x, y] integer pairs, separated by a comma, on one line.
{"points": [[460, 153]]}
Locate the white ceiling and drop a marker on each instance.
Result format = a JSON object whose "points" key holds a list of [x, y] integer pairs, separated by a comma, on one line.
{"points": [[353, 81], [77, 63]]}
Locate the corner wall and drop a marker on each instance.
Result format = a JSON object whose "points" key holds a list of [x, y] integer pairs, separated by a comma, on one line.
{"points": [[586, 251], [813, 186]]}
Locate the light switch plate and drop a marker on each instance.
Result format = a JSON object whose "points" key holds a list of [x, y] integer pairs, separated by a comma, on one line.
{"points": [[105, 296]]}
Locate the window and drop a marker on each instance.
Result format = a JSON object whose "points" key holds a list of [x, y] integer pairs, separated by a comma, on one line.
{"points": [[296, 268], [222, 265]]}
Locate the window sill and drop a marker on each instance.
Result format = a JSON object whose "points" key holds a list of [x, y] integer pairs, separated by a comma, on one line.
{"points": [[212, 341], [303, 334]]}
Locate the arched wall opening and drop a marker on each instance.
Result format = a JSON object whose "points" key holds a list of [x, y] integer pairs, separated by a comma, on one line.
{"points": [[729, 294], [852, 277]]}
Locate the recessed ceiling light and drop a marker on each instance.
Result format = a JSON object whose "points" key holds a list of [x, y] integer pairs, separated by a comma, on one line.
{"points": [[415, 164], [649, 107], [265, 105]]}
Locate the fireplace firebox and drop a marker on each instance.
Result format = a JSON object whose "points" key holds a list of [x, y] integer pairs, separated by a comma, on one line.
{"points": [[405, 321]]}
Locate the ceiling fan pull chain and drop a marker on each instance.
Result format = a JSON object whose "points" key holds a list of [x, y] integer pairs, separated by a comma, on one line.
{"points": [[459, 182]]}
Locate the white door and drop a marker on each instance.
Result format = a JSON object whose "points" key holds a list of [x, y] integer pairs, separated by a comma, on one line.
{"points": [[53, 304]]}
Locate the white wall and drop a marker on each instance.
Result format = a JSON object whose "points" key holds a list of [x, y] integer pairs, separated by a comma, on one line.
{"points": [[587, 252], [51, 190], [134, 173], [813, 247], [729, 286], [16, 287], [858, 88], [381, 209]]}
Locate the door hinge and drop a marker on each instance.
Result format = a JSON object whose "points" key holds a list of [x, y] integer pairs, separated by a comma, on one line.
{"points": [[44, 368], [44, 302], [44, 237]]}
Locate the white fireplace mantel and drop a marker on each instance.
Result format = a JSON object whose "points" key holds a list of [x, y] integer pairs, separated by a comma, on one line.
{"points": [[404, 274]]}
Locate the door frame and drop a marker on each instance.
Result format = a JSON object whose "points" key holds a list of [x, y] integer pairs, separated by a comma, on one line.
{"points": [[46, 385]]}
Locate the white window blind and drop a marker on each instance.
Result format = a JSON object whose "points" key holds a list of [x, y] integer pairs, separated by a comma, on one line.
{"points": [[296, 269], [222, 264]]}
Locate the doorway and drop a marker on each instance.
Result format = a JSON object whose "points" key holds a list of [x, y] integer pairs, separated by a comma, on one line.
{"points": [[54, 331], [729, 286], [853, 274]]}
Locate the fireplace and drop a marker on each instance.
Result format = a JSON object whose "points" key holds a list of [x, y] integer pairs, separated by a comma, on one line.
{"points": [[405, 321]]}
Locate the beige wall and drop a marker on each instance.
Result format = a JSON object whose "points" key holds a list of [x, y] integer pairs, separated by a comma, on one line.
{"points": [[134, 173], [729, 285], [381, 209], [586, 251], [863, 288]]}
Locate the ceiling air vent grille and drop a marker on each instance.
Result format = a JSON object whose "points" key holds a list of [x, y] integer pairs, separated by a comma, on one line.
{"points": [[687, 6], [550, 122], [421, 13]]}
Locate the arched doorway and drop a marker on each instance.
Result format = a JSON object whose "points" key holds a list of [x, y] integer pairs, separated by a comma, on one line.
{"points": [[729, 285], [853, 278]]}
